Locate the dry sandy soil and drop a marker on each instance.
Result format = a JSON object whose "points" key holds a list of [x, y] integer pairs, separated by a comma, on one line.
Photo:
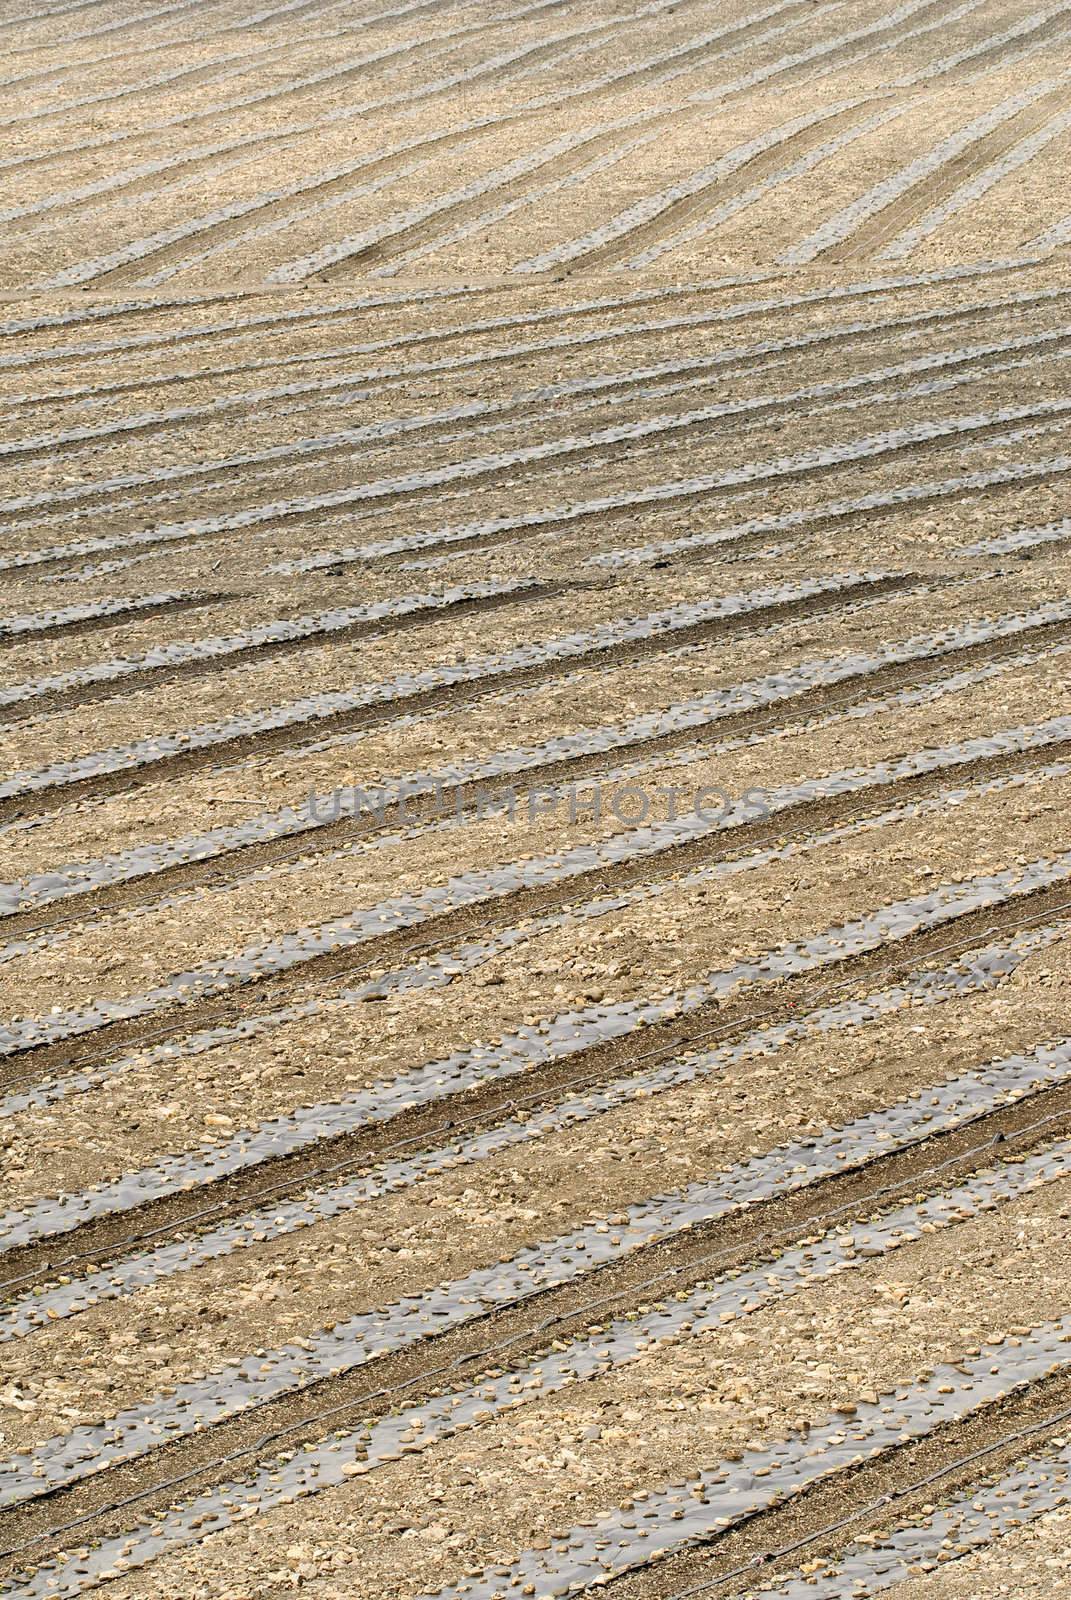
{"points": [[535, 756]]}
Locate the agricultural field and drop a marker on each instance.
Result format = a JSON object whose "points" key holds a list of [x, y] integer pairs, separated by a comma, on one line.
{"points": [[535, 801]]}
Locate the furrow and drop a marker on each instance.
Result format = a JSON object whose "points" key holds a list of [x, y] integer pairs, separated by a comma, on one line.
{"points": [[1019, 155], [105, 771], [294, 86], [222, 218], [494, 531], [121, 55], [356, 245], [556, 1101], [291, 215], [1019, 539], [508, 208], [798, 466], [140, 249], [859, 224], [286, 48], [122, 24], [94, 614], [52, 226], [603, 1042], [823, 397], [571, 394], [833, 146], [833, 511], [490, 530], [48, 11], [427, 972], [949, 1531], [588, 1355], [727, 209], [134, 1269], [329, 256], [240, 327], [228, 66], [597, 247], [417, 797], [401, 225], [684, 1515], [387, 820], [1036, 22], [330, 815], [287, 133], [254, 1382], [222, 332], [1004, 148], [1038, 431], [431, 972], [220, 156], [15, 327], [257, 398], [190, 658], [901, 37], [1054, 237], [889, 23], [491, 66], [1042, 38]]}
